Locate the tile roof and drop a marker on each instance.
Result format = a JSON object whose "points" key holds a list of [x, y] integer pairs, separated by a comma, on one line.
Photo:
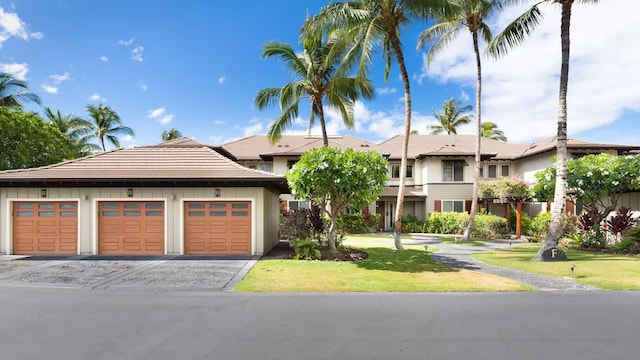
{"points": [[409, 191], [183, 160], [258, 146]]}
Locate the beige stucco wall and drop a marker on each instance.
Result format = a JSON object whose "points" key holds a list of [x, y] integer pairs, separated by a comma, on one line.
{"points": [[264, 211], [448, 191]]}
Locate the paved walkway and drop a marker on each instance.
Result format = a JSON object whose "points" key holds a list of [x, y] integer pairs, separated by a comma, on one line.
{"points": [[459, 256]]}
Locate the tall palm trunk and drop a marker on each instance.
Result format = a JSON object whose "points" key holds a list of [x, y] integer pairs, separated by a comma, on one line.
{"points": [[559, 197], [476, 168], [323, 126], [397, 231]]}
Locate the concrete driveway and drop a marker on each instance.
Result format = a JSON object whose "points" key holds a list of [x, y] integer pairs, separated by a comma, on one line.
{"points": [[99, 272]]}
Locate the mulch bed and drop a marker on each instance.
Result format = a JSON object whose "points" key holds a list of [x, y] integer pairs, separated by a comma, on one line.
{"points": [[284, 251]]}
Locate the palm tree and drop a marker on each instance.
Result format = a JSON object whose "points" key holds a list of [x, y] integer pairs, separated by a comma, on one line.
{"points": [[106, 124], [451, 117], [171, 134], [321, 75], [76, 129], [14, 93], [378, 23], [469, 15], [514, 34], [490, 130]]}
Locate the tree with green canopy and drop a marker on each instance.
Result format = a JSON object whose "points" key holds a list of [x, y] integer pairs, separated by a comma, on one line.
{"points": [[490, 130], [76, 128], [105, 124], [171, 134], [451, 117], [515, 34], [335, 179], [597, 181], [321, 74], [27, 141], [15, 93], [368, 25]]}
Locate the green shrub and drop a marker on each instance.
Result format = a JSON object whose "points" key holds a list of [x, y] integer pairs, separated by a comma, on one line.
{"points": [[570, 225], [411, 224], [525, 223], [353, 223], [490, 227], [539, 226], [447, 222], [306, 249], [595, 238], [630, 242]]}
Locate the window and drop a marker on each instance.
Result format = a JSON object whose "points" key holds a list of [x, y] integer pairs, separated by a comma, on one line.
{"points": [[493, 169], [395, 171], [481, 172], [453, 170], [253, 166], [290, 163], [265, 167], [505, 170], [453, 206], [297, 205]]}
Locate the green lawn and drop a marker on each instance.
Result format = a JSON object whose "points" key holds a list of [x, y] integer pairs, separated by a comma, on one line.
{"points": [[386, 270], [604, 271]]}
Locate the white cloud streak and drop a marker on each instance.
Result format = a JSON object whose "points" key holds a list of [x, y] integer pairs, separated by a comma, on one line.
{"points": [[18, 71], [50, 89], [12, 26], [520, 91], [136, 53]]}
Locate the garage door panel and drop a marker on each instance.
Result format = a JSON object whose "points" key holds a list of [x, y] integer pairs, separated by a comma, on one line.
{"points": [[224, 227], [130, 229], [45, 227]]}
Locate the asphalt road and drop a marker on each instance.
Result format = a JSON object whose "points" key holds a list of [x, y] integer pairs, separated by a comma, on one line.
{"points": [[43, 323]]}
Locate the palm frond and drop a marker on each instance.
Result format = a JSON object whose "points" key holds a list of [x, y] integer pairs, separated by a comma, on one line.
{"points": [[515, 33]]}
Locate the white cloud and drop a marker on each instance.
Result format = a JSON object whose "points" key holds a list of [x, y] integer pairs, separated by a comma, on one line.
{"points": [[221, 80], [97, 97], [161, 115], [126, 42], [386, 90], [144, 87], [520, 91], [219, 122], [18, 71], [254, 129], [12, 26], [59, 78], [49, 89], [128, 138], [156, 113], [104, 58], [464, 96], [166, 119], [136, 53]]}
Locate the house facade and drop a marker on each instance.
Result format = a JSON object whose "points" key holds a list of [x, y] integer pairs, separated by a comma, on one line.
{"points": [[182, 197], [439, 168], [175, 198]]}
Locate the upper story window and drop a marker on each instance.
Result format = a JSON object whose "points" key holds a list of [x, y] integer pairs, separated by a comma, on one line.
{"points": [[253, 166], [265, 167], [505, 172], [453, 170], [493, 171], [395, 171], [290, 163]]}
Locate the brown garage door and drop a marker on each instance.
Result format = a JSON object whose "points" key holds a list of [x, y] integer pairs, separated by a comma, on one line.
{"points": [[217, 227], [131, 227], [45, 228]]}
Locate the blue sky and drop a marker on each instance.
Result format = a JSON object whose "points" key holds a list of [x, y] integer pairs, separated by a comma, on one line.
{"points": [[196, 66]]}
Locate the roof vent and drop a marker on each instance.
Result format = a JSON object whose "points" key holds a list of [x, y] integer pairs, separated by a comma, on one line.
{"points": [[364, 145]]}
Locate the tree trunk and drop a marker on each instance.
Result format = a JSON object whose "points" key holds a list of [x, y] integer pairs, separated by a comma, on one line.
{"points": [[559, 197], [397, 230], [323, 126], [476, 169]]}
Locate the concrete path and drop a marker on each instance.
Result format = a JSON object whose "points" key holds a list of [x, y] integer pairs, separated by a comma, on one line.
{"points": [[459, 256]]}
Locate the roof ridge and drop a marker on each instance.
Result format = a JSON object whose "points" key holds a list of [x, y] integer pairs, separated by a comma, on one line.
{"points": [[52, 166], [241, 167]]}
